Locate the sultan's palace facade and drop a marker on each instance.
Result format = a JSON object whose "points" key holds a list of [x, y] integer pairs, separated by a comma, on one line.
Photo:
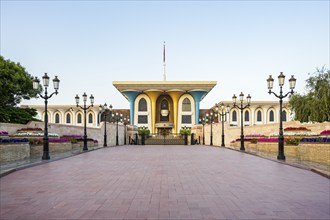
{"points": [[166, 105]]}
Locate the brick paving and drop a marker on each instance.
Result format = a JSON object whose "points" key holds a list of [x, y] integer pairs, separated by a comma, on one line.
{"points": [[164, 182]]}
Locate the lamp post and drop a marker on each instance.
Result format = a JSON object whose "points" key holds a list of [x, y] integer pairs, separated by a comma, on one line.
{"points": [[222, 114], [241, 97], [105, 110], [116, 117], [270, 82], [202, 120], [45, 82], [126, 121], [211, 122], [85, 108]]}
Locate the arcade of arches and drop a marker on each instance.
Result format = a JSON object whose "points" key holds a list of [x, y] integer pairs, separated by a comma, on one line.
{"points": [[166, 106]]}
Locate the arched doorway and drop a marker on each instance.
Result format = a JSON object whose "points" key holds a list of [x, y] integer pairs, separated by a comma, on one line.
{"points": [[164, 115]]}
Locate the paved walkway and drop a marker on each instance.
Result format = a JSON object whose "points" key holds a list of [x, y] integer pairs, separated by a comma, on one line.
{"points": [[164, 182]]}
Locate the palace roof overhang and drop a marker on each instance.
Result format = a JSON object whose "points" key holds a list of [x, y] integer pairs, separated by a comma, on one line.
{"points": [[164, 86]]}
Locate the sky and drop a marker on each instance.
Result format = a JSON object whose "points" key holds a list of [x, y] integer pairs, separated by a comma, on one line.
{"points": [[89, 44]]}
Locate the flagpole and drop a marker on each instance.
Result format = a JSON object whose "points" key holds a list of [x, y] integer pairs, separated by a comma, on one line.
{"points": [[164, 63]]}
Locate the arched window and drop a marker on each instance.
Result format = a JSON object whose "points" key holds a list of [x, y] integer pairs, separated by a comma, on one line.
{"points": [[164, 104], [259, 118], [271, 116], [246, 116], [186, 105], [283, 115], [57, 118], [234, 116], [79, 118], [90, 118], [143, 105], [68, 118]]}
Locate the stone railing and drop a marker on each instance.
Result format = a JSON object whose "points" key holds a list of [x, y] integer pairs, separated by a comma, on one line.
{"points": [[20, 151], [312, 152], [232, 133]]}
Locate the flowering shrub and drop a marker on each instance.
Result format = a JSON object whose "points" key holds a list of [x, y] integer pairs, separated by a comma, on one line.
{"points": [[302, 133], [143, 131], [58, 140], [72, 136], [255, 135], [13, 140], [50, 140], [32, 134], [313, 140], [325, 132], [292, 141], [296, 129], [271, 140], [3, 133], [30, 129]]}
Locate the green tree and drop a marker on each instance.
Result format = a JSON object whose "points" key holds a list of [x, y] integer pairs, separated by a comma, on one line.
{"points": [[17, 115], [15, 85], [315, 105]]}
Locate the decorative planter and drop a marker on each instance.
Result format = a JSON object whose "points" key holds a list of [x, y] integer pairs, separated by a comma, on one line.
{"points": [[14, 152], [164, 112], [37, 150]]}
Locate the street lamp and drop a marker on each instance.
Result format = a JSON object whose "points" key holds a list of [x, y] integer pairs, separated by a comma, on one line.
{"points": [[117, 117], [292, 83], [105, 110], [45, 82], [222, 114], [126, 122], [241, 98], [211, 121], [203, 120], [85, 108]]}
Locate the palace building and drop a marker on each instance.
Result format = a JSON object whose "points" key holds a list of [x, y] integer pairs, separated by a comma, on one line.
{"points": [[258, 113], [166, 106]]}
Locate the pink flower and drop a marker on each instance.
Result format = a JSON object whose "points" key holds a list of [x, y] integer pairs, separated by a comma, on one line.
{"points": [[325, 132]]}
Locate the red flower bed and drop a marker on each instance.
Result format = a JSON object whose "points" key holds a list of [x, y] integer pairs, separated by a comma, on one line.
{"points": [[296, 129], [30, 129], [271, 140]]}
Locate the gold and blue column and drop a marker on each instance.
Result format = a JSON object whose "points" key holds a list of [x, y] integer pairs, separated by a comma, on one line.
{"points": [[198, 95], [131, 95]]}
